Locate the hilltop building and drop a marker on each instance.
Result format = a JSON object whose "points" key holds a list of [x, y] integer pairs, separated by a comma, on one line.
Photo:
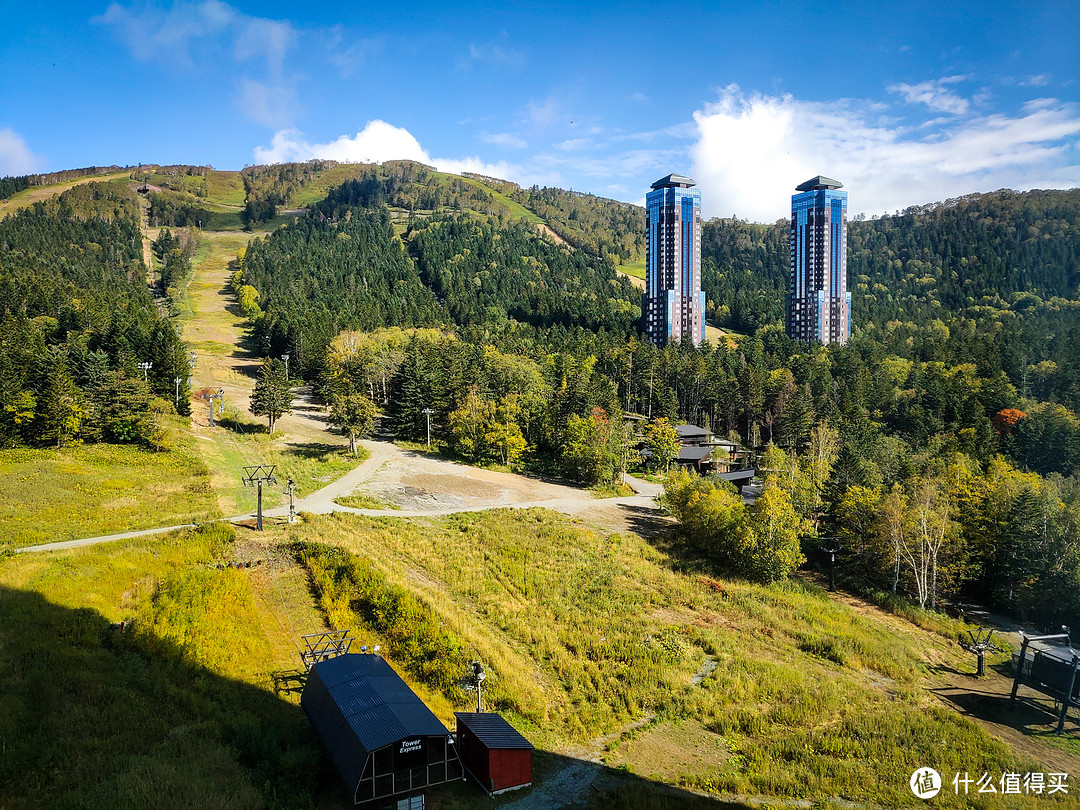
{"points": [[674, 301], [819, 305]]}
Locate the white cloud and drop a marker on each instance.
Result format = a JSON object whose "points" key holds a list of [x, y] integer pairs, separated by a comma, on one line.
{"points": [[542, 114], [752, 150], [505, 140], [571, 144], [153, 34], [493, 53], [375, 143], [194, 36], [15, 157], [272, 104], [378, 142], [934, 95]]}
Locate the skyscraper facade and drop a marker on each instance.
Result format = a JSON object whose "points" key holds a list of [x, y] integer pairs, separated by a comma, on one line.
{"points": [[819, 304], [674, 301]]}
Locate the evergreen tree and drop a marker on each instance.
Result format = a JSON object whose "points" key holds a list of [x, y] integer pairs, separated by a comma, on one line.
{"points": [[60, 409], [271, 397]]}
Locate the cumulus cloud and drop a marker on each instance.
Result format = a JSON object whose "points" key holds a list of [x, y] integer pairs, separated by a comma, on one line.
{"points": [[378, 142], [934, 94], [753, 149], [15, 157]]}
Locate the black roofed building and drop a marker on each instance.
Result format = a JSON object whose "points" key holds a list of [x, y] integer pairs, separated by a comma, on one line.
{"points": [[493, 751], [382, 739]]}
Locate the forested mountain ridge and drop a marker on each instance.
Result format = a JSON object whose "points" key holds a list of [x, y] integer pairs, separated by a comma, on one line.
{"points": [[962, 367], [77, 316], [945, 372]]}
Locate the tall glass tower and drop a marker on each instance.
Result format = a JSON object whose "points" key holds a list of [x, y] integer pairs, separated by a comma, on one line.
{"points": [[674, 301], [819, 305]]}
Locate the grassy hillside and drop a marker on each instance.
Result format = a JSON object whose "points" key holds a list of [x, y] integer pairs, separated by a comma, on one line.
{"points": [[802, 696], [592, 642], [98, 489]]}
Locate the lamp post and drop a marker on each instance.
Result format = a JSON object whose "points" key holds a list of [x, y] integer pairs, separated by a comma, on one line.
{"points": [[428, 412], [291, 487], [285, 357], [177, 381], [145, 368]]}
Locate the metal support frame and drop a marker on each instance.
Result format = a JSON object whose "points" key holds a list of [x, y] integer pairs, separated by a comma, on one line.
{"points": [[290, 488], [257, 475], [1062, 658], [980, 645], [321, 646]]}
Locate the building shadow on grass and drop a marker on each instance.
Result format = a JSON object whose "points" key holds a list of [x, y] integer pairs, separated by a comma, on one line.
{"points": [[1033, 713], [97, 718]]}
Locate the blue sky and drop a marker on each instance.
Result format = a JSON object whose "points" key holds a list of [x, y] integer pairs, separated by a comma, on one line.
{"points": [[905, 103]]}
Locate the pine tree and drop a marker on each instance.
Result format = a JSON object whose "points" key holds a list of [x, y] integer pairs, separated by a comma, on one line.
{"points": [[271, 397], [60, 409]]}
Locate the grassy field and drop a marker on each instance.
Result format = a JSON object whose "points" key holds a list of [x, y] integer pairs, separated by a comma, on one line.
{"points": [[97, 489], [591, 642], [171, 713], [218, 188], [634, 269], [364, 501], [582, 634], [29, 196], [302, 450]]}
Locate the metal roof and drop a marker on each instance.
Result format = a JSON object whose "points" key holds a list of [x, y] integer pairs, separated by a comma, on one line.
{"points": [[358, 704], [694, 452], [674, 180], [691, 430], [821, 181], [492, 730], [737, 475]]}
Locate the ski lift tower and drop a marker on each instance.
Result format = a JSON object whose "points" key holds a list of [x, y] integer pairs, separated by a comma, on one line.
{"points": [[258, 475]]}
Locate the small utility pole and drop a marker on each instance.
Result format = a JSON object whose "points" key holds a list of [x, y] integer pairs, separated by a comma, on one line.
{"points": [[220, 396], [285, 357], [291, 487], [257, 475], [832, 552], [474, 679], [428, 412], [145, 368], [177, 381]]}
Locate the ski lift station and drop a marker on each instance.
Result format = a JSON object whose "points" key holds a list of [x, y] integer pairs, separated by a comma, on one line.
{"points": [[382, 739], [388, 747]]}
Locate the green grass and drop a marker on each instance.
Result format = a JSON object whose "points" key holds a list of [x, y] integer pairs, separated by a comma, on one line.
{"points": [[163, 715], [634, 268], [515, 209], [219, 188], [362, 501], [582, 633], [97, 489]]}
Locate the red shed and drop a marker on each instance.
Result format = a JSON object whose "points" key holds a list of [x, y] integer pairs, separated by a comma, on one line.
{"points": [[493, 752]]}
